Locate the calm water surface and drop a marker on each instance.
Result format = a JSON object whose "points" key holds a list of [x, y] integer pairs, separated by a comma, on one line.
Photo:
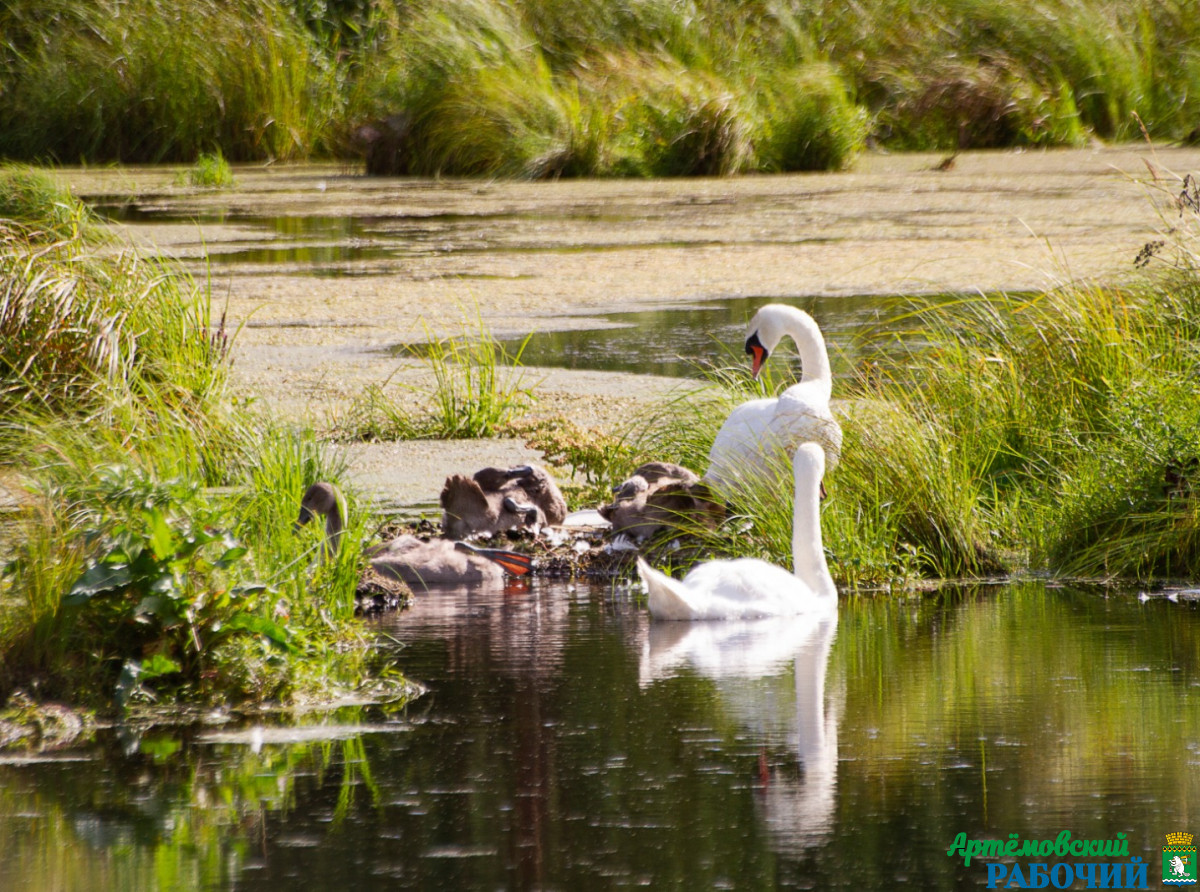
{"points": [[565, 742], [682, 340]]}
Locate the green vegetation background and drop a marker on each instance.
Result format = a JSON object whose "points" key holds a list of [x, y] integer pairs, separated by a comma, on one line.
{"points": [[540, 88]]}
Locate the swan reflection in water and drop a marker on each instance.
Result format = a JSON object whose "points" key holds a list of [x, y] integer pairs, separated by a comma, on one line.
{"points": [[770, 675]]}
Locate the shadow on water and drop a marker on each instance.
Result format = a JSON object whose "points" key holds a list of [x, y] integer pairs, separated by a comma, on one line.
{"points": [[567, 742]]}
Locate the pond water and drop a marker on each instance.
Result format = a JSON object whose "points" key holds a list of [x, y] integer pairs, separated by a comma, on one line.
{"points": [[565, 742], [682, 340]]}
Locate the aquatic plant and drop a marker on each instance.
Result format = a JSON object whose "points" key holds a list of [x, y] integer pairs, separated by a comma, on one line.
{"points": [[161, 581], [475, 388], [210, 170]]}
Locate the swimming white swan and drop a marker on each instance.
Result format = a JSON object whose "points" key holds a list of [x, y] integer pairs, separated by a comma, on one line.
{"points": [[408, 558], [746, 588], [756, 431]]}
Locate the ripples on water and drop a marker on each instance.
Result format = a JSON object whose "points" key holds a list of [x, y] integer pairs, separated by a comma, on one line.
{"points": [[566, 742]]}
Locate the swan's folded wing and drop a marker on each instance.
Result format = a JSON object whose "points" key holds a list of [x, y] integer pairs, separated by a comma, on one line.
{"points": [[800, 417], [736, 449]]}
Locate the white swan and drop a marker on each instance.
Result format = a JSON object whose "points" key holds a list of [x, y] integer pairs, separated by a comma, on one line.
{"points": [[756, 431], [747, 588], [407, 558]]}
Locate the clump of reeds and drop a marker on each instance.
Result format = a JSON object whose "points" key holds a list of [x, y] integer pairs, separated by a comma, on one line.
{"points": [[81, 334], [43, 208], [586, 87], [475, 387], [809, 121], [154, 81]]}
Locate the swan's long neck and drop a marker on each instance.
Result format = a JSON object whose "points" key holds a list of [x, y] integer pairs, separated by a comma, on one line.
{"points": [[334, 525], [814, 357], [808, 551]]}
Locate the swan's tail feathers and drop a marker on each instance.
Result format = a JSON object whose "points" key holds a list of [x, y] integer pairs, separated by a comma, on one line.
{"points": [[513, 562], [666, 597]]}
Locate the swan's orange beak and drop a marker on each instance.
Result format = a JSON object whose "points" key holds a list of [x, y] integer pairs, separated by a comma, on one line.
{"points": [[756, 361], [757, 353]]}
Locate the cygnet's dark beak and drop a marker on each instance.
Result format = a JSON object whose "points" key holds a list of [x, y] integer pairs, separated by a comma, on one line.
{"points": [[305, 516], [529, 511], [519, 471], [758, 354]]}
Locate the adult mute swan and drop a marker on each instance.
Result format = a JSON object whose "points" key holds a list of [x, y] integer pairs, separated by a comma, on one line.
{"points": [[408, 558], [756, 431], [746, 588]]}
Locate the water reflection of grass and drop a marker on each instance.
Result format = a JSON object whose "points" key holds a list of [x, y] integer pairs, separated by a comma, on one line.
{"points": [[1036, 710], [171, 817]]}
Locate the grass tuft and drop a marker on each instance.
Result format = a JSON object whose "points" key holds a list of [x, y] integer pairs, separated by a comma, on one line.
{"points": [[156, 556], [32, 199], [210, 171]]}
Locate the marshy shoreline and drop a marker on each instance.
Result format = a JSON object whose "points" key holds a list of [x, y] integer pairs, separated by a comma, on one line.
{"points": [[520, 257], [253, 341]]}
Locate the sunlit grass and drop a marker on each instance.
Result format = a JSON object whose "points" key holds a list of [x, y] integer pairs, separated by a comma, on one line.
{"points": [[152, 81], [210, 171], [587, 87], [155, 554], [476, 387], [992, 434], [46, 210]]}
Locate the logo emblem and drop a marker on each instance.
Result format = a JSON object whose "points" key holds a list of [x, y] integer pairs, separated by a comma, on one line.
{"points": [[1179, 860]]}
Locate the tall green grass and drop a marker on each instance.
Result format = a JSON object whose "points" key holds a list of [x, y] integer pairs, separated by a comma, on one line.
{"points": [[156, 556], [989, 434], [544, 88], [476, 387], [154, 81], [31, 197]]}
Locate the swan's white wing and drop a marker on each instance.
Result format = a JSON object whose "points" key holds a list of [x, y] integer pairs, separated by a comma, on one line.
{"points": [[802, 415], [737, 448], [746, 588]]}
